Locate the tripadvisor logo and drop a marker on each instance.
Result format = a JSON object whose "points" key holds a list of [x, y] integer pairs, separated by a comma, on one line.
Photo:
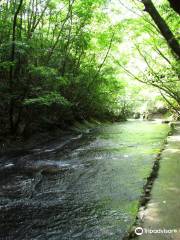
{"points": [[139, 231]]}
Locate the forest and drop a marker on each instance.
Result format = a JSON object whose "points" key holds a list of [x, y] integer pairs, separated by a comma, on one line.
{"points": [[89, 119], [63, 61]]}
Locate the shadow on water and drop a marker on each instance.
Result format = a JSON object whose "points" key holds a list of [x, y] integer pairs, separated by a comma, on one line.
{"points": [[86, 189]]}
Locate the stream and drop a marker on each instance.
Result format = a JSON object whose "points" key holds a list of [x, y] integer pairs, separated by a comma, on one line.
{"points": [[86, 187]]}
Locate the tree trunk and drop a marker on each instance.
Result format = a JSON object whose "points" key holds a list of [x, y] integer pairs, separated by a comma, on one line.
{"points": [[11, 75], [163, 27]]}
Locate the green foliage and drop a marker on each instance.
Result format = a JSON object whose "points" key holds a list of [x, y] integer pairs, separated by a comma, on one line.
{"points": [[63, 60], [152, 61], [59, 67], [48, 100]]}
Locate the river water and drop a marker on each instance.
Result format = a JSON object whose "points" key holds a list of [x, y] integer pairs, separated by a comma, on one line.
{"points": [[86, 187]]}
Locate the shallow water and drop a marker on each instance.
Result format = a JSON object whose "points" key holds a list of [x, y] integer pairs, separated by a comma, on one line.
{"points": [[87, 187]]}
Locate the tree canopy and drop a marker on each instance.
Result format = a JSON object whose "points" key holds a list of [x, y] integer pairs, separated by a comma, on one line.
{"points": [[65, 61]]}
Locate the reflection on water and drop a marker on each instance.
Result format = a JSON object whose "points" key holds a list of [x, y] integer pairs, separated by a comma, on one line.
{"points": [[85, 190]]}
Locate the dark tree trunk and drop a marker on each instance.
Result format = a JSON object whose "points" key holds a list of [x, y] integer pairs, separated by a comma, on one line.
{"points": [[163, 27], [11, 75], [175, 4]]}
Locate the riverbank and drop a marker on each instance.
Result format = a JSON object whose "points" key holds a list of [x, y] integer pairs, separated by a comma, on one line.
{"points": [[20, 143], [159, 218]]}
